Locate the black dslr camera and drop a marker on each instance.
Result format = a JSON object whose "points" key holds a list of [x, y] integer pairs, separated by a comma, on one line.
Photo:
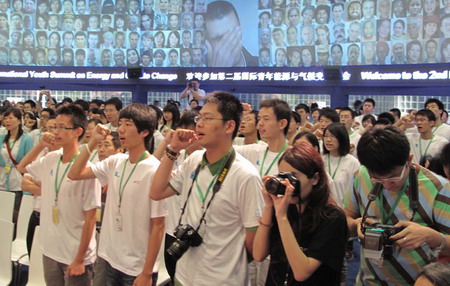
{"points": [[377, 240], [274, 185], [186, 236], [191, 84]]}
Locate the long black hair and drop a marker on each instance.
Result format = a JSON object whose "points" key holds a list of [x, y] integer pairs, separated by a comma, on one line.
{"points": [[16, 112]]}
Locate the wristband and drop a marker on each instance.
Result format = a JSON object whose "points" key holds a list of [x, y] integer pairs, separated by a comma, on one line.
{"points": [[172, 155], [87, 148], [441, 246]]}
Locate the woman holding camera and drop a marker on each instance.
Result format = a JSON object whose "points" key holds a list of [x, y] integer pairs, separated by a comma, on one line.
{"points": [[303, 233]]}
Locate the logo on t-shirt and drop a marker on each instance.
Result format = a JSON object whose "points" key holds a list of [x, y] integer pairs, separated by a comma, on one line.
{"points": [[116, 174]]}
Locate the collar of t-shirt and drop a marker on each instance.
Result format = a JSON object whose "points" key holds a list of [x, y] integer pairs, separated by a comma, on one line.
{"points": [[215, 167]]}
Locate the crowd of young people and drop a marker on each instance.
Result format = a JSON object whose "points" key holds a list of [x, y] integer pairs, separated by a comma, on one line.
{"points": [[266, 197]]}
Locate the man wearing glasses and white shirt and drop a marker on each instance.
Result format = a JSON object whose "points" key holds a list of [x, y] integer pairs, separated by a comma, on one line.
{"points": [[193, 91]]}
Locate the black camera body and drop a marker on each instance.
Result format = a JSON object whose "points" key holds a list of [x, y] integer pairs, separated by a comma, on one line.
{"points": [[191, 84], [186, 236], [275, 185], [377, 240]]}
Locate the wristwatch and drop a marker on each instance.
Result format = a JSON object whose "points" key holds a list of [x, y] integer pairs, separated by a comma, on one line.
{"points": [[441, 246]]}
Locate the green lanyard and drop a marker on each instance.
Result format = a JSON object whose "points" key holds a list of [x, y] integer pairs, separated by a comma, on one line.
{"points": [[93, 156], [273, 162], [199, 190], [337, 167], [426, 149], [437, 127], [122, 188], [394, 206], [58, 185], [12, 147]]}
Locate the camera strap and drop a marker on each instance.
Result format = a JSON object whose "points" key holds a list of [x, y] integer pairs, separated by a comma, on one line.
{"points": [[413, 197], [220, 178]]}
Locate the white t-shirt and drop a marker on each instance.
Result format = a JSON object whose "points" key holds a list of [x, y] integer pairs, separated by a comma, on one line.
{"points": [[93, 158], [3, 130], [341, 171], [420, 147], [126, 250], [354, 139], [189, 96], [255, 153], [60, 241], [15, 178], [221, 258], [157, 137], [36, 135], [442, 130], [110, 127]]}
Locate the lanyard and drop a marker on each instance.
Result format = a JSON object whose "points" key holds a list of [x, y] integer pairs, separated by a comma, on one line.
{"points": [[199, 190], [426, 149], [437, 127], [93, 156], [337, 167], [122, 188], [273, 162], [12, 147], [394, 206], [58, 185]]}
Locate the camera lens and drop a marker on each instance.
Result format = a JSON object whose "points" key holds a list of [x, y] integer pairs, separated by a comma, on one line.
{"points": [[275, 187], [177, 249]]}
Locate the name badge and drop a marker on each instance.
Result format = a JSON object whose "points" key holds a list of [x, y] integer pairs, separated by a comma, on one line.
{"points": [[7, 169], [55, 215], [98, 214], [118, 222]]}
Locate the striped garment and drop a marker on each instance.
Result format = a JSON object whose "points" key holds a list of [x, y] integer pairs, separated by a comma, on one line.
{"points": [[434, 211]]}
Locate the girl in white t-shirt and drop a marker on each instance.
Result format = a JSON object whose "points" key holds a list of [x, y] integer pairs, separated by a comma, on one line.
{"points": [[339, 164]]}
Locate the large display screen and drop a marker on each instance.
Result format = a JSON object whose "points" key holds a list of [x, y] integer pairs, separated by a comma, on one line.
{"points": [[202, 33]]}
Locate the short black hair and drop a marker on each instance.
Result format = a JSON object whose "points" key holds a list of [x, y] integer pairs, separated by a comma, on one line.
{"points": [[143, 116], [310, 137], [187, 119], [159, 113], [50, 111], [427, 113], [369, 117], [31, 102], [280, 108], [302, 106], [330, 114], [115, 139], [296, 117], [369, 100], [219, 9], [340, 132], [83, 103], [383, 149], [116, 102], [78, 118], [388, 116], [227, 104], [349, 110], [396, 111], [434, 100], [67, 99]]}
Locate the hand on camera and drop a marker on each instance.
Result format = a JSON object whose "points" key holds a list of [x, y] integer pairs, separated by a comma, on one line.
{"points": [[413, 236]]}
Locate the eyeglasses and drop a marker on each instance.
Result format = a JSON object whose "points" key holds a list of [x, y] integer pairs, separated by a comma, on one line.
{"points": [[392, 179], [61, 128], [197, 119]]}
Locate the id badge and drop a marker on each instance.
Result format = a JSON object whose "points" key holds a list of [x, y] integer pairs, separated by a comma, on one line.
{"points": [[99, 214], [7, 169], [118, 222], [55, 215]]}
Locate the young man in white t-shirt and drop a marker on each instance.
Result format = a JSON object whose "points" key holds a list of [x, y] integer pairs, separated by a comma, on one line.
{"points": [[231, 208], [68, 208], [133, 225], [368, 108], [425, 143], [248, 128], [347, 117], [440, 128], [112, 110]]}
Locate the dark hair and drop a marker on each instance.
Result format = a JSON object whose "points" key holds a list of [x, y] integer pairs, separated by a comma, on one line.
{"points": [[434, 164], [330, 114], [172, 108], [143, 117], [445, 156], [187, 119], [382, 121], [115, 139], [369, 117], [349, 110], [437, 273], [83, 103], [193, 100], [50, 111], [296, 117], [388, 116], [114, 101], [227, 104], [307, 160], [369, 100], [158, 111], [31, 102], [67, 99], [383, 149], [396, 111], [95, 120], [17, 114], [340, 132], [310, 137], [302, 106], [98, 102], [280, 108], [434, 100], [427, 113], [219, 9], [77, 116]]}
